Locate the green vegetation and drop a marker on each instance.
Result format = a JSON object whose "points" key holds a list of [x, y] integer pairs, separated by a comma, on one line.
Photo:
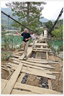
{"points": [[57, 34], [5, 56], [48, 25], [59, 23], [28, 14], [3, 27]]}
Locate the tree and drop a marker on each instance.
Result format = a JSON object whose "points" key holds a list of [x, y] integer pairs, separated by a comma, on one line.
{"points": [[58, 33], [59, 23], [61, 32], [27, 11], [48, 25], [3, 27]]}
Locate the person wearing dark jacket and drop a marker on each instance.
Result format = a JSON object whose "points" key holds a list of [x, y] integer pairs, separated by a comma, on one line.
{"points": [[26, 36]]}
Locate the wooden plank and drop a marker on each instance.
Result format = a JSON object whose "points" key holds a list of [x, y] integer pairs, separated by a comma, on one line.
{"points": [[16, 62], [36, 64], [18, 53], [15, 59], [32, 59], [42, 60], [34, 89], [12, 67], [44, 74], [41, 44], [36, 72], [35, 61], [12, 64], [12, 80], [28, 54], [46, 55], [35, 67], [4, 81], [21, 77], [15, 91], [16, 56], [3, 84], [41, 71], [50, 84], [21, 52], [52, 62], [42, 48], [31, 66]]}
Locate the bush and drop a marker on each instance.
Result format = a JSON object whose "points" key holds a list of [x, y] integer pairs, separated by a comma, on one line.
{"points": [[60, 48], [5, 56]]}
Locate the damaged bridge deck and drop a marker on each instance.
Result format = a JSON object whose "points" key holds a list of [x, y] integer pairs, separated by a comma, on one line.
{"points": [[37, 67]]}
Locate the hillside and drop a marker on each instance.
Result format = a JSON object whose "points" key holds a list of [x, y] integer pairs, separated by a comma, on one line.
{"points": [[4, 19], [43, 20]]}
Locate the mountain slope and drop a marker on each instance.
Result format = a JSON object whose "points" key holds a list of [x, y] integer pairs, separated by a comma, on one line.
{"points": [[44, 20]]}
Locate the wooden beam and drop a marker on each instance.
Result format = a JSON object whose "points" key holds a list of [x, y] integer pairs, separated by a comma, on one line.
{"points": [[33, 69], [42, 60], [46, 55], [16, 56], [3, 84], [13, 64], [41, 44], [30, 66], [21, 77], [50, 84], [35, 61], [42, 48], [15, 91], [21, 52], [34, 89], [28, 53], [12, 81], [38, 73], [36, 64]]}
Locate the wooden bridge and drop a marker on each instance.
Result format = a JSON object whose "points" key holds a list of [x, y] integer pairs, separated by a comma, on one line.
{"points": [[37, 67]]}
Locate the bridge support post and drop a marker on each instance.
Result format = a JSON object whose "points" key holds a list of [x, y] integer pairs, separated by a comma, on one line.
{"points": [[45, 32], [46, 55]]}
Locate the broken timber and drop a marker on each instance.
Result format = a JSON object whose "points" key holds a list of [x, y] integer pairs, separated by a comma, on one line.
{"points": [[30, 89], [38, 67], [11, 82]]}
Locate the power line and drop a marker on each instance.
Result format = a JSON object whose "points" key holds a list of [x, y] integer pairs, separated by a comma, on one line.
{"points": [[15, 20]]}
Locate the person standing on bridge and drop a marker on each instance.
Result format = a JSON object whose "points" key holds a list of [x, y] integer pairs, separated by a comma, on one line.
{"points": [[34, 39], [26, 37]]}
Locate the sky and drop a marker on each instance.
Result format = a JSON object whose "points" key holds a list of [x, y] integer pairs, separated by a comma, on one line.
{"points": [[51, 9]]}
